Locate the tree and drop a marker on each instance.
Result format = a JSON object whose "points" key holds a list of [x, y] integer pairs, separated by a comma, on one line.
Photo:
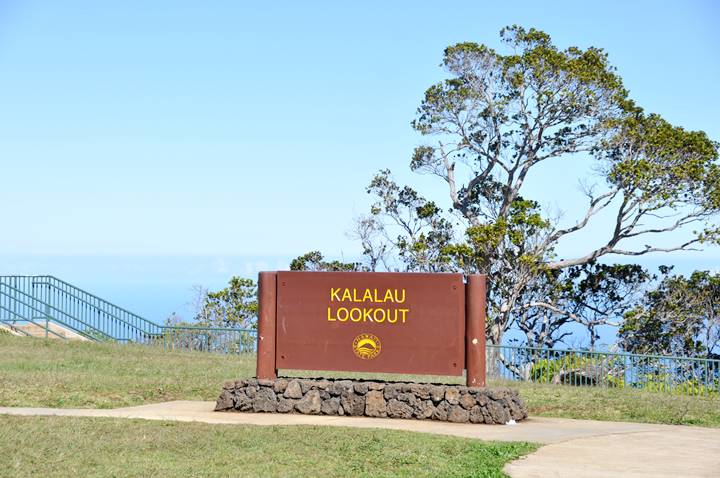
{"points": [[590, 295], [376, 253], [314, 261], [494, 121], [234, 306], [681, 316]]}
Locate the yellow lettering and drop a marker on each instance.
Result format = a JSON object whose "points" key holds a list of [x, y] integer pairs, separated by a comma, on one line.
{"points": [[404, 311], [392, 321], [352, 314], [366, 315], [375, 315]]}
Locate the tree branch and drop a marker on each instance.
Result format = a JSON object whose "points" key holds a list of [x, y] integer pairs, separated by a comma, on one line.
{"points": [[592, 210]]}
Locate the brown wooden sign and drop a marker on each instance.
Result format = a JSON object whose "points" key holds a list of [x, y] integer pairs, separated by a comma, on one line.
{"points": [[371, 322]]}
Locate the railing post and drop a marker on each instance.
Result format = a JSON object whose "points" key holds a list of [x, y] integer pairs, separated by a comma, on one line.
{"points": [[267, 319], [47, 311], [475, 309]]}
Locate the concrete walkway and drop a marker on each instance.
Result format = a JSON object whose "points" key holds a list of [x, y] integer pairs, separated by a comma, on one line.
{"points": [[574, 448]]}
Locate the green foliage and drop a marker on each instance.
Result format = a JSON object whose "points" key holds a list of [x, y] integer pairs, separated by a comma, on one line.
{"points": [[193, 336], [314, 261], [426, 245], [234, 306], [507, 236], [605, 280], [681, 316], [668, 161], [664, 383], [594, 293], [577, 369], [598, 370]]}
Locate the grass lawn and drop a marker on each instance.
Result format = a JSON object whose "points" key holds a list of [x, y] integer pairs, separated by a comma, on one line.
{"points": [[51, 373], [55, 373], [63, 446], [618, 405]]}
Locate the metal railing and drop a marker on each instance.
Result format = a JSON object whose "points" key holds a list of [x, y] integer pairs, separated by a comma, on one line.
{"points": [[46, 300], [207, 339], [679, 375], [42, 299]]}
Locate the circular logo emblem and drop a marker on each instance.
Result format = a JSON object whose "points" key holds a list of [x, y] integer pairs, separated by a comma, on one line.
{"points": [[366, 346]]}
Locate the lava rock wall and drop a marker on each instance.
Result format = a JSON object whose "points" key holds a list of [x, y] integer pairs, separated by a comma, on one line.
{"points": [[452, 403]]}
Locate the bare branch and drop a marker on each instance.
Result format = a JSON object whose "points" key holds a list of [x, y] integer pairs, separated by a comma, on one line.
{"points": [[648, 249], [610, 250], [592, 210], [679, 223], [551, 307]]}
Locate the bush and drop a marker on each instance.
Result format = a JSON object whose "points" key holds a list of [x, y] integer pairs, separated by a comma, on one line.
{"points": [[577, 369], [666, 384]]}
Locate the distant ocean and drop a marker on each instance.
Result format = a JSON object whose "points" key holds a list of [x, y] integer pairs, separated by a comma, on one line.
{"points": [[155, 287]]}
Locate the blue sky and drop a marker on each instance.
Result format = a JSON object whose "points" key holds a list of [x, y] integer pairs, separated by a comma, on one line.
{"points": [[220, 130]]}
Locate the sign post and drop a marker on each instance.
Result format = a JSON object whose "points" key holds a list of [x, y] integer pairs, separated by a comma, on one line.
{"points": [[476, 307], [267, 320]]}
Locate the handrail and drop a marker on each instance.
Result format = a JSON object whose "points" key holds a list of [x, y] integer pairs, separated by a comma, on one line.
{"points": [[50, 317], [139, 329], [83, 312], [664, 373], [202, 327], [101, 300], [614, 354], [87, 311], [143, 319], [42, 302]]}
